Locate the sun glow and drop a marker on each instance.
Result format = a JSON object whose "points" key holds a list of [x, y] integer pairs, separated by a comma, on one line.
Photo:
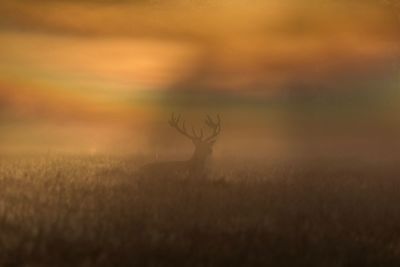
{"points": [[122, 65]]}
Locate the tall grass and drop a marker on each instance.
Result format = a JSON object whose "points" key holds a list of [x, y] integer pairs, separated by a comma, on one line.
{"points": [[93, 211]]}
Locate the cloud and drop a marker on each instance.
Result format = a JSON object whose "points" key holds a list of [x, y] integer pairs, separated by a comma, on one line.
{"points": [[231, 45]]}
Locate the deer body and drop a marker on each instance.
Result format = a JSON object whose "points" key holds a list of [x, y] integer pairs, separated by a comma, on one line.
{"points": [[172, 169], [195, 167]]}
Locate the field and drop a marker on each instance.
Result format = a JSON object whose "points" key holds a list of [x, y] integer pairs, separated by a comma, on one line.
{"points": [[93, 211]]}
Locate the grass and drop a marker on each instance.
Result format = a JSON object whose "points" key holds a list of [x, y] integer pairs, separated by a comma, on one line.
{"points": [[93, 211]]}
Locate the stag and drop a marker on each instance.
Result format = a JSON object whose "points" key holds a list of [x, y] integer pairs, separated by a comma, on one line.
{"points": [[195, 167]]}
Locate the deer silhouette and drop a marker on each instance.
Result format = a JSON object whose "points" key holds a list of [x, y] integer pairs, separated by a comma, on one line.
{"points": [[195, 167]]}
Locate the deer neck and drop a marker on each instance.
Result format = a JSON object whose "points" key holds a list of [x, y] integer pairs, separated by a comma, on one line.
{"points": [[198, 160]]}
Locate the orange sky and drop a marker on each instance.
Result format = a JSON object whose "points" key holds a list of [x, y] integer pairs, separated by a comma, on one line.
{"points": [[103, 60], [219, 44]]}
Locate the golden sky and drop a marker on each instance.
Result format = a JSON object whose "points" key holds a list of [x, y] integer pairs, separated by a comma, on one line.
{"points": [[105, 61]]}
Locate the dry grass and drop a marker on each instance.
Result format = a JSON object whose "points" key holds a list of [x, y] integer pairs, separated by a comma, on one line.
{"points": [[92, 211]]}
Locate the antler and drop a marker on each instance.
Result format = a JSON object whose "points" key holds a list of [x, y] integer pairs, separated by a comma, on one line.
{"points": [[214, 125], [174, 122]]}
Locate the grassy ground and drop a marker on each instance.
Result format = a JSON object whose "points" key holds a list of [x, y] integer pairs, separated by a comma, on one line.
{"points": [[92, 211]]}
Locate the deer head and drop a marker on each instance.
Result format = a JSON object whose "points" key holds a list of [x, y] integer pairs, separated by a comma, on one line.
{"points": [[203, 144]]}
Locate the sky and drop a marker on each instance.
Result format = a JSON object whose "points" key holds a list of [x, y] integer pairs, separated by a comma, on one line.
{"points": [[97, 75]]}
